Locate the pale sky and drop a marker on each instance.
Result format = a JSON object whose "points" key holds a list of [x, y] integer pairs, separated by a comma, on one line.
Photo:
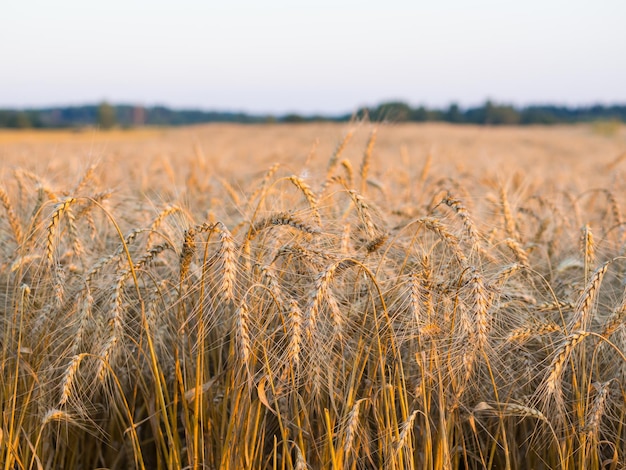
{"points": [[311, 56]]}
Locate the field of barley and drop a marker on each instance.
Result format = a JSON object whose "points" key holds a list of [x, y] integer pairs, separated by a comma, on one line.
{"points": [[324, 296]]}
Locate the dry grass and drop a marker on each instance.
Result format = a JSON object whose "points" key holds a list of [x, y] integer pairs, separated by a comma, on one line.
{"points": [[239, 297]]}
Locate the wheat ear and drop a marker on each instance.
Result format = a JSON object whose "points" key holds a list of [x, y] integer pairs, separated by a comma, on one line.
{"points": [[338, 151], [309, 196], [480, 309], [426, 168], [449, 239], [282, 218], [588, 248], [242, 333], [516, 248], [364, 211], [59, 209], [367, 157], [560, 359], [352, 426], [316, 298], [347, 167], [594, 417], [158, 220], [509, 221], [460, 209], [187, 253], [405, 430], [227, 253], [519, 335], [515, 409], [11, 216], [55, 414], [300, 461], [584, 307], [295, 338], [69, 378], [85, 179]]}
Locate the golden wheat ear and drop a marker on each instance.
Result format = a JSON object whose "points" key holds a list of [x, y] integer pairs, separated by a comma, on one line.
{"points": [[53, 225], [12, 218]]}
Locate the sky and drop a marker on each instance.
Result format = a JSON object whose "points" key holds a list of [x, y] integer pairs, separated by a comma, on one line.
{"points": [[311, 56]]}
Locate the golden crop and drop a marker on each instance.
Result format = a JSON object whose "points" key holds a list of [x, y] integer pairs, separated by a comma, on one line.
{"points": [[319, 296]]}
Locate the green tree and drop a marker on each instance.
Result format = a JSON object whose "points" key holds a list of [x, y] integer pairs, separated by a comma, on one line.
{"points": [[393, 111], [106, 116], [453, 114], [293, 118], [419, 114], [22, 121]]}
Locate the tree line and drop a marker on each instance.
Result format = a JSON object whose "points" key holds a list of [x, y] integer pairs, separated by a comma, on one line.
{"points": [[105, 115]]}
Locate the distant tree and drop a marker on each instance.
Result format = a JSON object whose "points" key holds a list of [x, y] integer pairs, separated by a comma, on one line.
{"points": [[453, 114], [106, 117], [18, 119], [362, 114], [538, 115], [293, 118], [490, 113], [493, 114], [22, 121], [393, 111], [5, 117], [506, 115], [419, 114]]}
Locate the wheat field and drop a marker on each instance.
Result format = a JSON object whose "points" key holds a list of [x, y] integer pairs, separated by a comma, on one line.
{"points": [[325, 296]]}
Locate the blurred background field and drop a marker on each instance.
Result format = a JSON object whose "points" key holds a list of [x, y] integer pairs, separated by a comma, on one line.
{"points": [[547, 153]]}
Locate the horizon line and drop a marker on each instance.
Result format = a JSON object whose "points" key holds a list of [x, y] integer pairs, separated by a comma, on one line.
{"points": [[206, 109]]}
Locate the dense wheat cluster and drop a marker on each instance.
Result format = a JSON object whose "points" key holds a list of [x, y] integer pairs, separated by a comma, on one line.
{"points": [[341, 312]]}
